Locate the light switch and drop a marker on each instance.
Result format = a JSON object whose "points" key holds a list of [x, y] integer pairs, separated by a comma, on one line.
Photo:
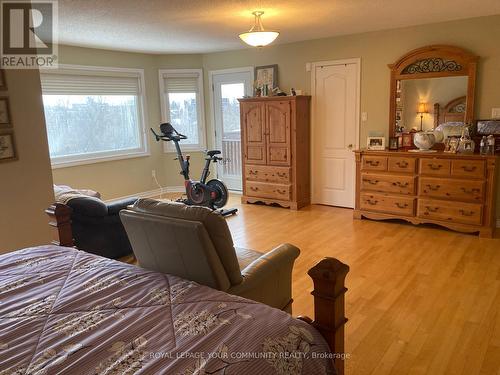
{"points": [[364, 116], [495, 113]]}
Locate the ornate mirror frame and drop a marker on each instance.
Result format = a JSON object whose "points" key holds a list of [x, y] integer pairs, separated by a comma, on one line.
{"points": [[431, 62]]}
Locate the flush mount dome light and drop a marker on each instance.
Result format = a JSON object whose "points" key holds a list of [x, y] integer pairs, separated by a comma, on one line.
{"points": [[257, 36]]}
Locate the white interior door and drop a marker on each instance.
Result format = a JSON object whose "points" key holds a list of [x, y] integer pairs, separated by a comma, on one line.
{"points": [[335, 133], [227, 88]]}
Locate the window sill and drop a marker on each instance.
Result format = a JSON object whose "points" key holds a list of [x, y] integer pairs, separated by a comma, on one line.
{"points": [[98, 159]]}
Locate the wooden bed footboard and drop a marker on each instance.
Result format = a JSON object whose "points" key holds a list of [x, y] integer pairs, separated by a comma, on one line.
{"points": [[329, 306], [60, 221]]}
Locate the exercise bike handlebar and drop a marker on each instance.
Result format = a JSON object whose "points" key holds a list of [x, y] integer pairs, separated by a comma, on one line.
{"points": [[168, 133]]}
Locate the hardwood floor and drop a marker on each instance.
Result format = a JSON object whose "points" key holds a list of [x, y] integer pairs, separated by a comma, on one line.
{"points": [[421, 300]]}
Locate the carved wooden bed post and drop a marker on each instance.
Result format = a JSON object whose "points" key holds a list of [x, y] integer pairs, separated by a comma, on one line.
{"points": [[60, 221], [329, 305]]}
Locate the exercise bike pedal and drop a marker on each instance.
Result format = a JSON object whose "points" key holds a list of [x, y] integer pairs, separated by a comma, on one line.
{"points": [[228, 212]]}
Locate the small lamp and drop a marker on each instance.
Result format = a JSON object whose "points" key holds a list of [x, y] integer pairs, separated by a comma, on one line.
{"points": [[422, 109]]}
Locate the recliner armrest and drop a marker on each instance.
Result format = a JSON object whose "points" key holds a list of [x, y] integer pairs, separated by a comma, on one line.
{"points": [[115, 207], [268, 279]]}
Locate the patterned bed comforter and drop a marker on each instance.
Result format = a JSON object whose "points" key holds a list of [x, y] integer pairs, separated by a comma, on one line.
{"points": [[63, 311]]}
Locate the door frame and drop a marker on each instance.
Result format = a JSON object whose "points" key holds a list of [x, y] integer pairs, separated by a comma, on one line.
{"points": [[314, 65], [211, 74]]}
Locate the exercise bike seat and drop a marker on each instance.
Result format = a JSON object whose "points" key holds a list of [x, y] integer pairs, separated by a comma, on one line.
{"points": [[213, 152]]}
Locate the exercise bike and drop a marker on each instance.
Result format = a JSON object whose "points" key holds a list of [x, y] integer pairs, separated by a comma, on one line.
{"points": [[212, 194]]}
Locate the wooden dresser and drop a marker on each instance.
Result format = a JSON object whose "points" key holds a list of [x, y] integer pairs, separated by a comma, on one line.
{"points": [[452, 190], [275, 148]]}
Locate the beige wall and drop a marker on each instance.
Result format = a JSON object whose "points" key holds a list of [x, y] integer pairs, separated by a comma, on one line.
{"points": [[25, 184], [128, 176]]}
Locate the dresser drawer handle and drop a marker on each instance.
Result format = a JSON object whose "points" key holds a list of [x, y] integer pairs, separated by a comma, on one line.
{"points": [[469, 168], [402, 164], [466, 213], [401, 184], [282, 192], [401, 205], [253, 172], [471, 191], [435, 167], [431, 209], [372, 203], [373, 163], [371, 182], [281, 175], [433, 187], [253, 188]]}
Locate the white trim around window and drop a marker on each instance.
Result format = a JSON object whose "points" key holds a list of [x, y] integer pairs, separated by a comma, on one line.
{"points": [[164, 75], [83, 80]]}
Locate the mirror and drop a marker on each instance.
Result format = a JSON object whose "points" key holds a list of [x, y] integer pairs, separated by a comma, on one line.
{"points": [[426, 103], [432, 87]]}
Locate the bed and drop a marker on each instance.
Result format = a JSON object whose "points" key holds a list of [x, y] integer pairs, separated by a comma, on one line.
{"points": [[452, 112], [66, 311]]}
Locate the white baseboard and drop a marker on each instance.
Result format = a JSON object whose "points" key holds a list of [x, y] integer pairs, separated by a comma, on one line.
{"points": [[150, 193]]}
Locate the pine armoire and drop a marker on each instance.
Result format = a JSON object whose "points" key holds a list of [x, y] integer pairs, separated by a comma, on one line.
{"points": [[275, 150]]}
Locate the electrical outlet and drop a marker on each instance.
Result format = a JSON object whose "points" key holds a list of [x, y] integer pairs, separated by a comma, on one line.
{"points": [[495, 113], [153, 173], [364, 116]]}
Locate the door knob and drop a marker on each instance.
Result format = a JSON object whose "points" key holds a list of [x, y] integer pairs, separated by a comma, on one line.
{"points": [[350, 146]]}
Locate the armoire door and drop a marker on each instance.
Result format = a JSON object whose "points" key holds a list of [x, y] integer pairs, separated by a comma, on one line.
{"points": [[278, 133], [252, 118]]}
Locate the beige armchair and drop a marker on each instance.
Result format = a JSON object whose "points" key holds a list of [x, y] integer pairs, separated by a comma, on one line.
{"points": [[195, 243]]}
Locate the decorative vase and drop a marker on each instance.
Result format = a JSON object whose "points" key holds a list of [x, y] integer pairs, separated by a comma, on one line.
{"points": [[424, 140]]}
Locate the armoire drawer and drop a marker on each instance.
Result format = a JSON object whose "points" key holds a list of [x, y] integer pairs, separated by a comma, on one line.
{"points": [[374, 163], [389, 183], [281, 175], [464, 213], [460, 190], [388, 204], [468, 168], [266, 190], [401, 164], [436, 167]]}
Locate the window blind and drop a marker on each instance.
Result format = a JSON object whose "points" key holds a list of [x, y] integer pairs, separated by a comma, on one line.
{"points": [[89, 84], [181, 83]]}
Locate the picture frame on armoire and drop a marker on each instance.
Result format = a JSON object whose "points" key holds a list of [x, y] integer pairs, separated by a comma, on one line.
{"points": [[266, 75]]}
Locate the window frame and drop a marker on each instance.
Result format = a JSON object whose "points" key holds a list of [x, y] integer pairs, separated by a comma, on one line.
{"points": [[168, 147], [104, 156]]}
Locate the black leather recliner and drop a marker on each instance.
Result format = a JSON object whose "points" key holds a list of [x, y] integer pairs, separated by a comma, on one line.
{"points": [[97, 227]]}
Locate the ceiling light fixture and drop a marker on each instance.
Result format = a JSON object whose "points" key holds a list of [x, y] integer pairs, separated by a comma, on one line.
{"points": [[257, 36]]}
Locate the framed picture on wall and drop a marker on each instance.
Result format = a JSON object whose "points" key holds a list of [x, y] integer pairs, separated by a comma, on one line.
{"points": [[5, 120], [266, 75], [3, 82], [7, 146]]}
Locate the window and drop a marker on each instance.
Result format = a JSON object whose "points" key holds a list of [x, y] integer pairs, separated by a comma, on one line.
{"points": [[182, 105], [93, 114]]}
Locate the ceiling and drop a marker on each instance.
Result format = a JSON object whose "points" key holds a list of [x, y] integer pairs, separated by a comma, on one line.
{"points": [[200, 26]]}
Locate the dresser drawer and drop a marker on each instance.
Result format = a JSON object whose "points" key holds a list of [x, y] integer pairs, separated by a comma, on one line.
{"points": [[468, 168], [281, 175], [265, 190], [461, 190], [388, 204], [454, 212], [374, 163], [437, 167], [400, 164], [388, 183]]}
